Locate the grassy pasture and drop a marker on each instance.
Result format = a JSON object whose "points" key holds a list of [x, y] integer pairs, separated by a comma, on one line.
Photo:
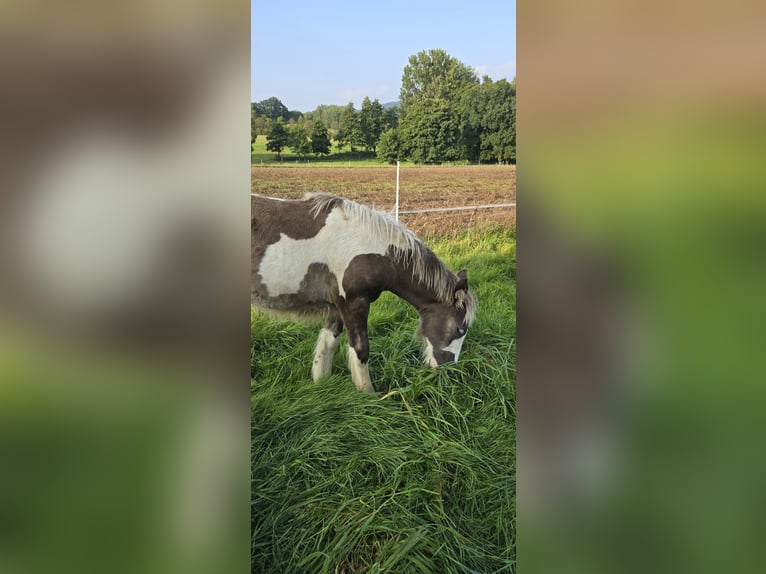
{"points": [[260, 156], [419, 477]]}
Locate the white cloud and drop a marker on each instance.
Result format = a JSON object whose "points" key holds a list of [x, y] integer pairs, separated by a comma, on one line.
{"points": [[496, 71]]}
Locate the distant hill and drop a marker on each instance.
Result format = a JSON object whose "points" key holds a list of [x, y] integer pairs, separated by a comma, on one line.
{"points": [[395, 104]]}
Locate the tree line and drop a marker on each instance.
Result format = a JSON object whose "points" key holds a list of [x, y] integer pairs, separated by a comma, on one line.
{"points": [[445, 114]]}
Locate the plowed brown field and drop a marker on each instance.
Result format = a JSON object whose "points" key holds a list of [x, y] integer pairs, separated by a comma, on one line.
{"points": [[420, 187]]}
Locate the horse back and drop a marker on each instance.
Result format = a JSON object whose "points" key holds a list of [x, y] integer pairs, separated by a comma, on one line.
{"points": [[271, 221]]}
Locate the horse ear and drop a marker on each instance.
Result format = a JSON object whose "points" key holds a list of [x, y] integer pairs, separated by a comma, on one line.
{"points": [[461, 287], [462, 283]]}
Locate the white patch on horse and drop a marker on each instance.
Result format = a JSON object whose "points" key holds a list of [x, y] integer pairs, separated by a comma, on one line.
{"points": [[429, 353], [323, 354], [285, 262], [360, 372], [455, 346]]}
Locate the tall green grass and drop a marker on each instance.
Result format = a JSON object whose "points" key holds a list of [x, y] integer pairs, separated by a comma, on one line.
{"points": [[419, 477]]}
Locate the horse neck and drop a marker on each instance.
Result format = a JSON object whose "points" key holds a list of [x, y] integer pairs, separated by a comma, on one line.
{"points": [[408, 287]]}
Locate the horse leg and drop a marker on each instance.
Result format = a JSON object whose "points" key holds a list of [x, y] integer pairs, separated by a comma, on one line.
{"points": [[355, 317], [360, 370], [329, 337]]}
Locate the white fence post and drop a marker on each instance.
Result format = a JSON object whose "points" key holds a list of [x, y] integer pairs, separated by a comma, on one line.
{"points": [[396, 209]]}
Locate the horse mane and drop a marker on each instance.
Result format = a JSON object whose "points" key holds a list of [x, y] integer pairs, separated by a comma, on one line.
{"points": [[408, 249]]}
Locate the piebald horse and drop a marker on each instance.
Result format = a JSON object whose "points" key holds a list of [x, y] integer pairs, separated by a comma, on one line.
{"points": [[330, 258]]}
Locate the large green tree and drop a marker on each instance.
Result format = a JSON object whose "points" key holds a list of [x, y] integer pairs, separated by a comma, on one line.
{"points": [[390, 117], [320, 138], [271, 108], [430, 132], [489, 128], [389, 146], [277, 137], [350, 132], [434, 74], [299, 140], [371, 123], [433, 84]]}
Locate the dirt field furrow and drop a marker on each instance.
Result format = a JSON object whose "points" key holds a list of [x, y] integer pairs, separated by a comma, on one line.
{"points": [[420, 188]]}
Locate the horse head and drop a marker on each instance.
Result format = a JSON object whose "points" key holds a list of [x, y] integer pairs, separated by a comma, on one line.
{"points": [[443, 326]]}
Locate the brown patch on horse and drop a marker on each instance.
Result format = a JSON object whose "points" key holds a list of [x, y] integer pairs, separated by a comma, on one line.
{"points": [[317, 295], [369, 273], [270, 217]]}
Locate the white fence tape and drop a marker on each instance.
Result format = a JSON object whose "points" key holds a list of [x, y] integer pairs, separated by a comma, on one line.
{"points": [[435, 209]]}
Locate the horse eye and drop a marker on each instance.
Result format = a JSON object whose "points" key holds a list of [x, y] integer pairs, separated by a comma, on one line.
{"points": [[461, 331]]}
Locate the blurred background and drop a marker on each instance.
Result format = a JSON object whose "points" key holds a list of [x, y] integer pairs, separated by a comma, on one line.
{"points": [[641, 251], [124, 334]]}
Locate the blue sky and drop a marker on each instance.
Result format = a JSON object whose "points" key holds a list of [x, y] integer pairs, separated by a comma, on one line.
{"points": [[337, 51]]}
